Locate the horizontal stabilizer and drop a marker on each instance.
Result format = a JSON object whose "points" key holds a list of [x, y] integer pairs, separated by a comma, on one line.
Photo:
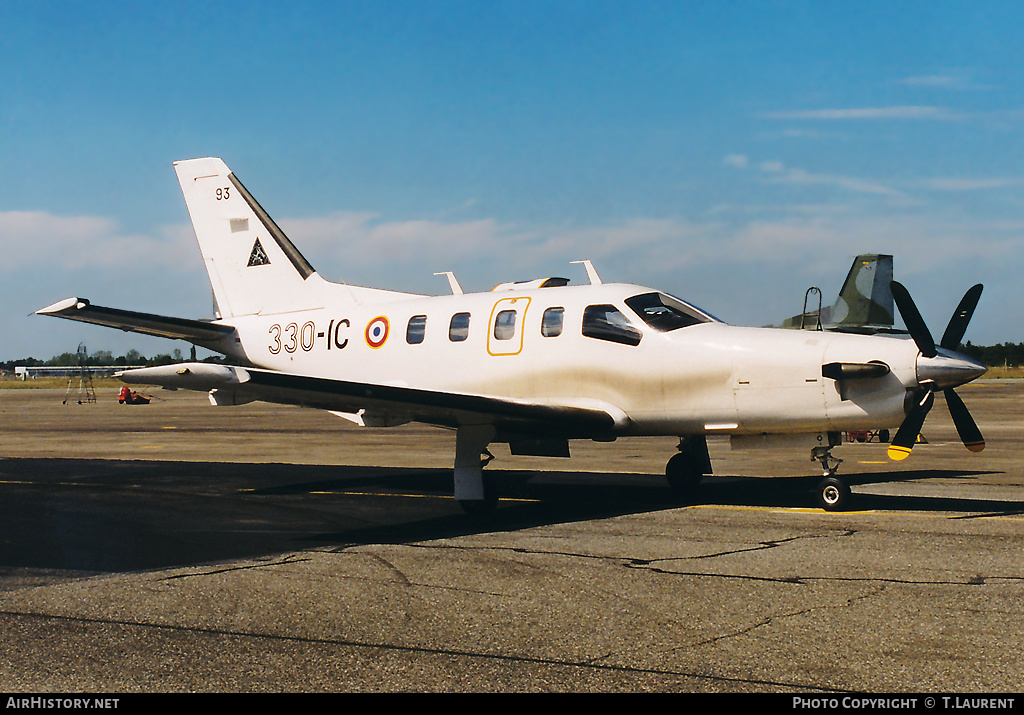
{"points": [[195, 331]]}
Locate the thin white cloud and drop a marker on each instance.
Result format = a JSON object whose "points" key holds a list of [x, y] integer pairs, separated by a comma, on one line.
{"points": [[738, 161], [862, 186], [802, 134], [361, 238], [969, 184], [951, 81], [933, 80], [866, 113], [778, 173]]}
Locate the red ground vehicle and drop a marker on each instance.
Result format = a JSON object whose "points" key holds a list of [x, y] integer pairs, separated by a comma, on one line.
{"points": [[130, 397], [868, 436]]}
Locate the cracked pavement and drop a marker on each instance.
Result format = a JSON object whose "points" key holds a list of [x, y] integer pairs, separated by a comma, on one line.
{"points": [[136, 559]]}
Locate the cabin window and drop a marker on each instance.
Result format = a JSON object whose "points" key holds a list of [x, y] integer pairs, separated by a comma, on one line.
{"points": [[416, 330], [505, 325], [606, 322], [551, 322], [665, 313], [458, 329]]}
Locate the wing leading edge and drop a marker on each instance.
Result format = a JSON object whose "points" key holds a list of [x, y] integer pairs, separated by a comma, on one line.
{"points": [[196, 331]]}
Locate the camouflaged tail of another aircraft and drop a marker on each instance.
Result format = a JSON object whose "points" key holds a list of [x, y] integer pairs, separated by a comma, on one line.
{"points": [[864, 304]]}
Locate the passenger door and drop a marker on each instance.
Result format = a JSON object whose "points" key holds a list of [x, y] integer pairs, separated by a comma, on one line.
{"points": [[505, 332]]}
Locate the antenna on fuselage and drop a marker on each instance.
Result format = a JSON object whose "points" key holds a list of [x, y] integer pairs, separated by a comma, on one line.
{"points": [[456, 288], [595, 280]]}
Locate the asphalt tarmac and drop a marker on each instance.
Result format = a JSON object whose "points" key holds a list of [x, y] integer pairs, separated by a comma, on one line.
{"points": [[177, 547]]}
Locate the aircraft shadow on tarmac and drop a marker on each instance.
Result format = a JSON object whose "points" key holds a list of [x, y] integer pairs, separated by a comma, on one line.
{"points": [[128, 515]]}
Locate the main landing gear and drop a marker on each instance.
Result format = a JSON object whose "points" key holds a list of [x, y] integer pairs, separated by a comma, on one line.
{"points": [[685, 470]]}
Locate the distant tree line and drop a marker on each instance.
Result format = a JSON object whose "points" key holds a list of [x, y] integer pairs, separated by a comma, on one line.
{"points": [[133, 358], [1008, 354]]}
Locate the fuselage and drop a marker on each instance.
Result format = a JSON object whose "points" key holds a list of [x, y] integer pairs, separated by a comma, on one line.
{"points": [[590, 345]]}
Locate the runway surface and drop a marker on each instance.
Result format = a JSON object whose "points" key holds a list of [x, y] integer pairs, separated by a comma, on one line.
{"points": [[180, 547]]}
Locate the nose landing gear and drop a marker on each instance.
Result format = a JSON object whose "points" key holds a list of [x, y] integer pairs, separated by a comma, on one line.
{"points": [[832, 494]]}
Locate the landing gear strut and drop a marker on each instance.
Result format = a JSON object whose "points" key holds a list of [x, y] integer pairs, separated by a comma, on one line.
{"points": [[474, 492], [829, 462]]}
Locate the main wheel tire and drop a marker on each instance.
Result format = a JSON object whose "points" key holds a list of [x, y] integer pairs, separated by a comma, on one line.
{"points": [[833, 494], [683, 474]]}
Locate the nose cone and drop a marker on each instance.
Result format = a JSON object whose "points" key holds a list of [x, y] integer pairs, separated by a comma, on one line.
{"points": [[948, 369]]}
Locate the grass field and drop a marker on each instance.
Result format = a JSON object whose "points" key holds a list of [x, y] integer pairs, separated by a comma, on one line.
{"points": [[998, 372], [52, 383]]}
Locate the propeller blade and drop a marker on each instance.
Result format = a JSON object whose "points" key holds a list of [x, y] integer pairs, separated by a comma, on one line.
{"points": [[912, 317], [907, 434], [958, 323], [966, 427]]}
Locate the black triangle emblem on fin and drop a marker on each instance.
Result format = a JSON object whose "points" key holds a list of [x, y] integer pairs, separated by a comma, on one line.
{"points": [[258, 257]]}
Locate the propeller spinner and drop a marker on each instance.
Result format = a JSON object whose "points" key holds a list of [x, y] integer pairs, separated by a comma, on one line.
{"points": [[938, 368]]}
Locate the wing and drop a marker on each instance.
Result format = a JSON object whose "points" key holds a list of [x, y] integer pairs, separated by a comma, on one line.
{"points": [[237, 385], [196, 331]]}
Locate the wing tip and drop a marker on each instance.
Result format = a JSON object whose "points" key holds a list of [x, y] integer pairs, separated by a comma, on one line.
{"points": [[62, 305]]}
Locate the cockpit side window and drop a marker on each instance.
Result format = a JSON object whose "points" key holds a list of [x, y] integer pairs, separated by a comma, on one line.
{"points": [[665, 313], [606, 322]]}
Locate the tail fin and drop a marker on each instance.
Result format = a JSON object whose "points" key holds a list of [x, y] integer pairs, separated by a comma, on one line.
{"points": [[253, 266], [865, 302]]}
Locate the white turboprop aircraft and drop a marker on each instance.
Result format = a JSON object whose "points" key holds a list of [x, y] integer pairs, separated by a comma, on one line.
{"points": [[533, 364]]}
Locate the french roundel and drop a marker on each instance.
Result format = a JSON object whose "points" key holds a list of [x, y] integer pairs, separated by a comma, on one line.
{"points": [[377, 331]]}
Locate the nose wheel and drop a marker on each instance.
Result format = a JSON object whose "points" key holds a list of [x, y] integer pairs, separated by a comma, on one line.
{"points": [[833, 494]]}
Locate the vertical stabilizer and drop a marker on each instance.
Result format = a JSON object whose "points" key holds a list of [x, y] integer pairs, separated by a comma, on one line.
{"points": [[866, 298], [253, 266]]}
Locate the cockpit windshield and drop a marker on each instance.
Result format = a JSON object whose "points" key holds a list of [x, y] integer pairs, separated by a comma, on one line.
{"points": [[665, 313]]}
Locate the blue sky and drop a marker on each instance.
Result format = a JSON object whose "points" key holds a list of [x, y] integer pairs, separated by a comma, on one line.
{"points": [[732, 153]]}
